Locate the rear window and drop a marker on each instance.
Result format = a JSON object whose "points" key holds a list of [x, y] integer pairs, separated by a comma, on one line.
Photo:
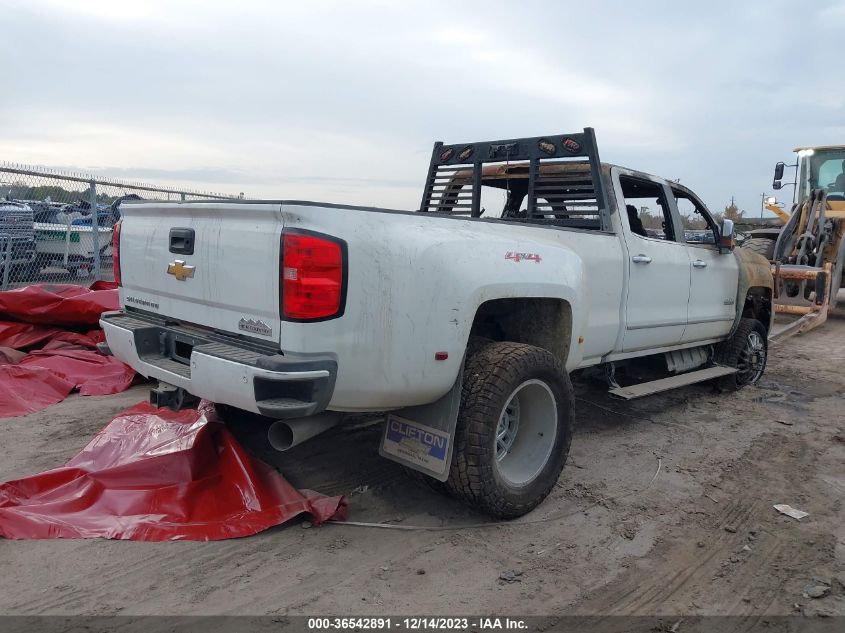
{"points": [[564, 195], [553, 179]]}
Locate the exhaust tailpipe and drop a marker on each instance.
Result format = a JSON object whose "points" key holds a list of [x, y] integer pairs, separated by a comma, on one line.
{"points": [[285, 434]]}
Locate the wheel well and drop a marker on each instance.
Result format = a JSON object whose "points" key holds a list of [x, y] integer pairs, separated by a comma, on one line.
{"points": [[758, 305], [542, 322]]}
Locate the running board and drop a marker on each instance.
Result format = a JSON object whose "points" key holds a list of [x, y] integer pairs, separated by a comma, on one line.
{"points": [[673, 382]]}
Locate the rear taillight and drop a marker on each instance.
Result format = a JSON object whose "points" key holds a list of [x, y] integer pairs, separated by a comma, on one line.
{"points": [[115, 251], [313, 277]]}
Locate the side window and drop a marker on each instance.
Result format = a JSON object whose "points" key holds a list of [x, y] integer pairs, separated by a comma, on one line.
{"points": [[832, 175], [646, 208], [699, 227]]}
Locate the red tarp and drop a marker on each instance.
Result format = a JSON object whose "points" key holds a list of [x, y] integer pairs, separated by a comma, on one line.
{"points": [[29, 389], [155, 475], [60, 304], [66, 359], [22, 335], [90, 372]]}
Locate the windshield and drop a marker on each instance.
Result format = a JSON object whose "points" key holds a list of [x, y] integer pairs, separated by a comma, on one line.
{"points": [[823, 170]]}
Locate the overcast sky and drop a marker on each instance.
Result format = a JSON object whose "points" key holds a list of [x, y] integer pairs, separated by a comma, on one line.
{"points": [[341, 101]]}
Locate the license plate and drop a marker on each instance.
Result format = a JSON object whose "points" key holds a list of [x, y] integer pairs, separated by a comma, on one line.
{"points": [[419, 446]]}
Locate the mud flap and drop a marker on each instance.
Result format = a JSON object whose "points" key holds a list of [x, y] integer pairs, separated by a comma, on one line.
{"points": [[421, 437]]}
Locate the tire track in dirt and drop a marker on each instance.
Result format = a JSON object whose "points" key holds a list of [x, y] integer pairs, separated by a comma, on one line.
{"points": [[708, 563]]}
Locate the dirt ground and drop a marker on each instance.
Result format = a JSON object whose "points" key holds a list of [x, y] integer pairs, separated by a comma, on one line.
{"points": [[665, 507]]}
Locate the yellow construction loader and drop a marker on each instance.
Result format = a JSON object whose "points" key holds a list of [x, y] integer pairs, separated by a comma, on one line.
{"points": [[808, 251]]}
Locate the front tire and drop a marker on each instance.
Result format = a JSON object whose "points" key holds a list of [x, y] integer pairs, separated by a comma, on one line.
{"points": [[514, 429], [747, 350]]}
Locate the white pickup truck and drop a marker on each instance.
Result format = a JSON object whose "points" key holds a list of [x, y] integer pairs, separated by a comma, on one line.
{"points": [[529, 259]]}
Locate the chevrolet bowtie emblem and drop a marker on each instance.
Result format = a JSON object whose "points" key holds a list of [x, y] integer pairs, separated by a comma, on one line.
{"points": [[179, 270]]}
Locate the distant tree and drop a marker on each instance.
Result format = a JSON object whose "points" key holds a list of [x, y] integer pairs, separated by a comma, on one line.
{"points": [[650, 220], [23, 191], [694, 222], [732, 212]]}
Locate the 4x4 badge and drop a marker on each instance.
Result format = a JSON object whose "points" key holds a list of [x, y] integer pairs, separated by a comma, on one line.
{"points": [[180, 270]]}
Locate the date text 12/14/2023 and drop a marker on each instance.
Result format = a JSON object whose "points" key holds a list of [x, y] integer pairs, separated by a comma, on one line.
{"points": [[416, 623]]}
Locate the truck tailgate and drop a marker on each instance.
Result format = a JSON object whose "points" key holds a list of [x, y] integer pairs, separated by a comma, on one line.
{"points": [[207, 263]]}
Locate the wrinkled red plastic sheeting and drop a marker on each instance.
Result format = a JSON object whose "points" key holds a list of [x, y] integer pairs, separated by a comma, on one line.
{"points": [[89, 371], [66, 359], [25, 390], [33, 381], [9, 356], [60, 305], [156, 475], [24, 335]]}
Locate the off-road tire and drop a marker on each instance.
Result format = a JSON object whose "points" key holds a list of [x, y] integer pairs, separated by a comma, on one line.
{"points": [[490, 376], [762, 246], [729, 354], [475, 344]]}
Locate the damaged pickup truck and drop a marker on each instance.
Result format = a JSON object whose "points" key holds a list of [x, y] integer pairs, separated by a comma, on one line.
{"points": [[529, 259]]}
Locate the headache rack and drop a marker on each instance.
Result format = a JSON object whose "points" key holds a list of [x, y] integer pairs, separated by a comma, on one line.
{"points": [[552, 179]]}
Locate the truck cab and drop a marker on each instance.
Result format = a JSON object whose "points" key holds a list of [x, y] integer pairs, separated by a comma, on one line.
{"points": [[818, 167]]}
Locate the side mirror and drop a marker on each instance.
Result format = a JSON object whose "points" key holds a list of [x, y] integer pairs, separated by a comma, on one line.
{"points": [[727, 239], [776, 185], [779, 167]]}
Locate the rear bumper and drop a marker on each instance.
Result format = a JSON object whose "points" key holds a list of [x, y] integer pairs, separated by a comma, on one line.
{"points": [[222, 368]]}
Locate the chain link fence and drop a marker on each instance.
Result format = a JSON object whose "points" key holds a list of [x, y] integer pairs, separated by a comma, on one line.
{"points": [[57, 227]]}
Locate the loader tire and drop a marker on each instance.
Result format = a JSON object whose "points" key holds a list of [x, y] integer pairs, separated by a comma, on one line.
{"points": [[747, 351], [762, 246], [514, 429], [838, 275]]}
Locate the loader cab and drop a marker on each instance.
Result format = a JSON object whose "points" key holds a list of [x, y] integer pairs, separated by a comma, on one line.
{"points": [[816, 168]]}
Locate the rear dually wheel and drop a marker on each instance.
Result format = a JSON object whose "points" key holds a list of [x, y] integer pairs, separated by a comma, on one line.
{"points": [[514, 429]]}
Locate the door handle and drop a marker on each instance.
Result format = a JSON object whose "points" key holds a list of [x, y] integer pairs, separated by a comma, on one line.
{"points": [[698, 263], [641, 259]]}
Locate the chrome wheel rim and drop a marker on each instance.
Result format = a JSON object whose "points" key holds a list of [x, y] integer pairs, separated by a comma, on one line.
{"points": [[752, 359], [507, 428], [526, 432]]}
